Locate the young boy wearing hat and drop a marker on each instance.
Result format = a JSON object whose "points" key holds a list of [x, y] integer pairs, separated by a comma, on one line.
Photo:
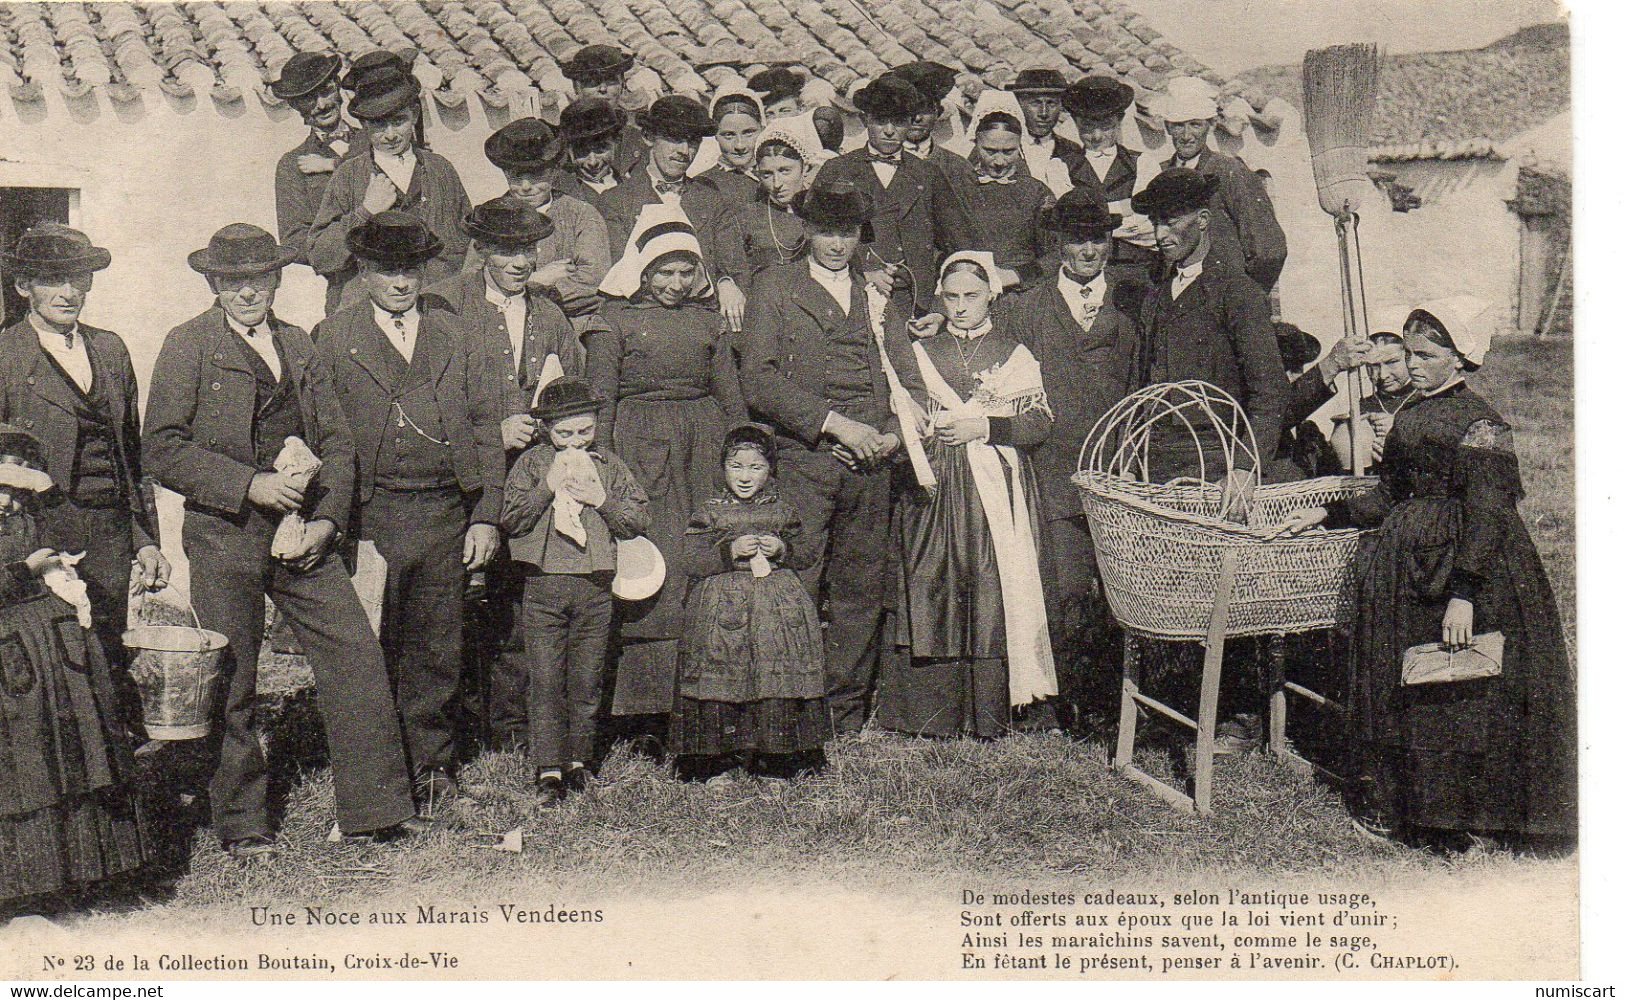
{"points": [[589, 130], [1113, 172], [428, 441], [1241, 218], [229, 387], [599, 74], [399, 173], [917, 220], [1040, 93], [568, 501], [72, 386], [309, 83], [573, 255]]}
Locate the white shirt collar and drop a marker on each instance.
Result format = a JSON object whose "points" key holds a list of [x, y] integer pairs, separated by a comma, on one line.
{"points": [[979, 330], [56, 339], [837, 283], [514, 312], [69, 350], [1094, 288], [1083, 300], [1185, 276], [600, 186], [403, 338], [397, 168], [922, 150], [259, 338]]}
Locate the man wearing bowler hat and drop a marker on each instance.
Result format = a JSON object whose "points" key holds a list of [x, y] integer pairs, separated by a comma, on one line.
{"points": [[573, 254], [1113, 172], [230, 386], [72, 386], [520, 340], [429, 475], [813, 370], [934, 81], [599, 74], [398, 173], [309, 83], [1040, 93], [589, 130], [916, 219]]}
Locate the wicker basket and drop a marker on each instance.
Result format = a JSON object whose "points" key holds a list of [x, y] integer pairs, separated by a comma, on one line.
{"points": [[1158, 545]]}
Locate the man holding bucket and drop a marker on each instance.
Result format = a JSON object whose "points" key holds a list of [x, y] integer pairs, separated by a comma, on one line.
{"points": [[229, 388]]}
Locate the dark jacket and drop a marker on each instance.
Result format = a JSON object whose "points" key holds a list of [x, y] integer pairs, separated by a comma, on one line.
{"points": [[527, 509], [788, 325], [354, 351], [299, 195], [33, 396], [1218, 331], [199, 438], [1243, 220], [709, 211], [1086, 372]]}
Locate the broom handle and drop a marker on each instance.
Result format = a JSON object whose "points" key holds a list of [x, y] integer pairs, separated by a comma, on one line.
{"points": [[1350, 333]]}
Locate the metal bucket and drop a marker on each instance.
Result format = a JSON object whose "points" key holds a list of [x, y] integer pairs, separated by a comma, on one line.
{"points": [[177, 669]]}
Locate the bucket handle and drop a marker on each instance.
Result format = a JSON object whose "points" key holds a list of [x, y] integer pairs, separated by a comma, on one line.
{"points": [[197, 623]]}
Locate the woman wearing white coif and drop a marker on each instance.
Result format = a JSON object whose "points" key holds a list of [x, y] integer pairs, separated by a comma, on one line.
{"points": [[970, 605]]}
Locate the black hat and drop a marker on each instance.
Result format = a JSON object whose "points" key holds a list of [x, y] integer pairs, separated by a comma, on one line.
{"points": [[777, 83], [836, 203], [932, 79], [566, 397], [1038, 81], [677, 117], [382, 93], [524, 144], [890, 96], [304, 73], [393, 238], [1080, 214], [830, 125], [19, 447], [1095, 98], [584, 121], [507, 221], [592, 63], [1175, 192], [370, 63], [240, 250], [1299, 349], [51, 248]]}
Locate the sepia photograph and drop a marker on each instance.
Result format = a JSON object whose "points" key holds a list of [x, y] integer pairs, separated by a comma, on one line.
{"points": [[977, 490]]}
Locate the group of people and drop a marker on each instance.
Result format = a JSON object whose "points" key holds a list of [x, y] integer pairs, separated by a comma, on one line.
{"points": [[841, 393]]}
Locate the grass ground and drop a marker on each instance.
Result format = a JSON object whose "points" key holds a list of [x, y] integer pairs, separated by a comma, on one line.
{"points": [[889, 811]]}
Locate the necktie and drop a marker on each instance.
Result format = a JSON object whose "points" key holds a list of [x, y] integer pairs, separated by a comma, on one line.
{"points": [[990, 179], [895, 161], [669, 187]]}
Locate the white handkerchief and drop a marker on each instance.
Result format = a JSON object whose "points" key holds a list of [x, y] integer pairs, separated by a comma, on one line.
{"points": [[759, 566]]}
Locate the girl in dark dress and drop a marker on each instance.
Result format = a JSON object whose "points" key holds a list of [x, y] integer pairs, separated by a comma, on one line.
{"points": [[738, 115], [788, 155], [1441, 762], [970, 605], [1004, 200], [751, 688], [68, 816], [671, 391]]}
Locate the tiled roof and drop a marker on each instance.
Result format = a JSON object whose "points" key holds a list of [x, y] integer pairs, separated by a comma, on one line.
{"points": [[230, 50]]}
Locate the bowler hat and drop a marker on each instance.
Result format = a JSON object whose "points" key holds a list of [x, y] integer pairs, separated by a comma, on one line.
{"points": [[22, 460], [777, 83], [1080, 214], [1038, 81], [587, 120], [393, 237], [240, 250], [838, 203], [932, 79], [1175, 192], [1097, 98], [677, 117], [304, 73], [52, 248], [384, 92], [889, 96], [507, 221], [524, 144], [592, 63], [370, 63], [566, 397]]}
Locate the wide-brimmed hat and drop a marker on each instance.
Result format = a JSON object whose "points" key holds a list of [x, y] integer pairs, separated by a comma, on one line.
{"points": [[890, 96], [1080, 214], [507, 221], [1175, 192], [839, 204], [384, 92], [304, 73], [241, 250], [51, 248], [1097, 98], [566, 397], [1038, 81], [777, 83], [369, 64], [527, 144], [591, 63], [1188, 99], [22, 460], [677, 117], [589, 120], [640, 569], [1466, 320], [932, 79], [393, 237]]}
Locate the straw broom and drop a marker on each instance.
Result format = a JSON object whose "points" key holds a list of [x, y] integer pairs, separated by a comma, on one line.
{"points": [[1339, 97]]}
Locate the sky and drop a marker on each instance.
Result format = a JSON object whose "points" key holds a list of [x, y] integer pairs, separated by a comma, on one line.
{"points": [[1235, 35]]}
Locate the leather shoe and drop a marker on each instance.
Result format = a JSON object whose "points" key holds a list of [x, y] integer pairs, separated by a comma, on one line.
{"points": [[550, 788], [412, 826], [576, 778], [252, 848]]}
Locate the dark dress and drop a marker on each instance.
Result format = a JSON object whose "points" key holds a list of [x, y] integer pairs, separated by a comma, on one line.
{"points": [[1005, 218], [752, 676], [1493, 755], [950, 610], [68, 817], [672, 391], [770, 234]]}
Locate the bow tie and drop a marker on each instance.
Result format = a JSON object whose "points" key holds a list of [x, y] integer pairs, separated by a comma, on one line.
{"points": [[990, 179], [895, 161], [670, 187]]}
